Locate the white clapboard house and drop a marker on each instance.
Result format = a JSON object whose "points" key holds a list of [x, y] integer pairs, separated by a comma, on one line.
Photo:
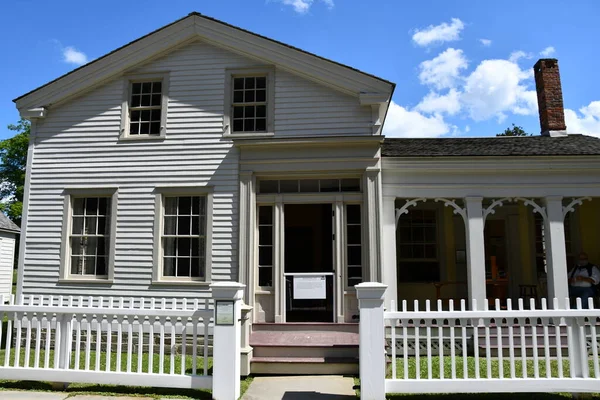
{"points": [[202, 152], [8, 237]]}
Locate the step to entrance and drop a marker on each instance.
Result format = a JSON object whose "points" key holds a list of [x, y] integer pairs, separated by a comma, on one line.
{"points": [[304, 349]]}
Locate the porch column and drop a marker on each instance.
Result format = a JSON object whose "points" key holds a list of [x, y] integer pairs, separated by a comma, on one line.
{"points": [[556, 252], [389, 267], [372, 222], [475, 252], [246, 237]]}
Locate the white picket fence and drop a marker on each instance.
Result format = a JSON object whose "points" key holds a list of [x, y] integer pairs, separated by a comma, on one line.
{"points": [[520, 349], [122, 341]]}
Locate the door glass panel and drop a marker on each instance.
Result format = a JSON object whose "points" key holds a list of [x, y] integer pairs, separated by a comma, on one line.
{"points": [[265, 246]]}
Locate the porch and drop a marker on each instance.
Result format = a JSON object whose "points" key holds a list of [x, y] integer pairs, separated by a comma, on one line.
{"points": [[485, 248]]}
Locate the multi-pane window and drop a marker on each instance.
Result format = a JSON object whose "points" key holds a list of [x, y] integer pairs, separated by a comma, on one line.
{"points": [[417, 247], [145, 108], [90, 236], [353, 244], [184, 237], [249, 104], [265, 246], [309, 185]]}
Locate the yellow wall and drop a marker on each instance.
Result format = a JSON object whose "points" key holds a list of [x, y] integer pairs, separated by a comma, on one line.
{"points": [[589, 231]]}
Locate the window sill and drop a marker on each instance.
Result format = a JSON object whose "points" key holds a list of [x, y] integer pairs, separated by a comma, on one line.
{"points": [[181, 283], [123, 138], [249, 135], [76, 281]]}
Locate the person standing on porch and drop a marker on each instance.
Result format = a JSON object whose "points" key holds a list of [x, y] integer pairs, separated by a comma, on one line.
{"points": [[582, 280]]}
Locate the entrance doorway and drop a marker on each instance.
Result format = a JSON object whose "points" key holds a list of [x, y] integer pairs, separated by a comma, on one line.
{"points": [[309, 271]]}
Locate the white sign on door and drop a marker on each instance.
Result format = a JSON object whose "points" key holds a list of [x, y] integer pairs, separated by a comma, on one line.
{"points": [[309, 287]]}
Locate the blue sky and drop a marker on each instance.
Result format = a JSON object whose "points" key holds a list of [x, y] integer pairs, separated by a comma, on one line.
{"points": [[462, 68]]}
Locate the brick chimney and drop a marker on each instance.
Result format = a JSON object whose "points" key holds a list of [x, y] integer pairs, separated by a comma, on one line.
{"points": [[550, 99]]}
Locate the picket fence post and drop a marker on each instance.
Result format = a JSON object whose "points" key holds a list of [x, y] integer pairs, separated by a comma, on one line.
{"points": [[370, 297], [227, 298]]}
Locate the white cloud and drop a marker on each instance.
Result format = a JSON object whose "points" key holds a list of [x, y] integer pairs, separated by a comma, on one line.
{"points": [[444, 32], [436, 103], [302, 6], [496, 87], [442, 71], [586, 122], [485, 42], [548, 51], [73, 56], [515, 56], [401, 122]]}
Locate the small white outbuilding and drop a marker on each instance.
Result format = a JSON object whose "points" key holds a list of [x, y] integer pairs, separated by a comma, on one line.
{"points": [[8, 237]]}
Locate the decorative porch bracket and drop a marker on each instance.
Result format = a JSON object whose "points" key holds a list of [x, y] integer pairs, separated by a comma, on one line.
{"points": [[571, 206], [457, 209], [536, 207], [495, 203], [406, 206]]}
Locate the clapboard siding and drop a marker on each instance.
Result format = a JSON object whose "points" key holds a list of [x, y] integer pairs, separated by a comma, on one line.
{"points": [[7, 254], [77, 145]]}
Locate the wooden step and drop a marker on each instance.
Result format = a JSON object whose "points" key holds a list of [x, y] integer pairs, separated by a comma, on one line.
{"points": [[304, 365], [305, 327]]}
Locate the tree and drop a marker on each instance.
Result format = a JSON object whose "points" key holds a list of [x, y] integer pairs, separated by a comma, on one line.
{"points": [[514, 131], [13, 162]]}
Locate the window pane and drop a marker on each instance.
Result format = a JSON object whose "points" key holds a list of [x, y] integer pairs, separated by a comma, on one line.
{"points": [[155, 128], [330, 185], [238, 83], [136, 88], [183, 267], [265, 255], [248, 125], [184, 247], [265, 235], [261, 82], [238, 125], [195, 244], [185, 206], [101, 249], [134, 129], [169, 246], [170, 225], [77, 226], [145, 115], [288, 186], [76, 265], [261, 125], [249, 112], [265, 276], [265, 215], [183, 225], [268, 186], [309, 185], [238, 96], [135, 115], [170, 205], [101, 266], [156, 100], [146, 87], [157, 87], [91, 206], [90, 225], [104, 206], [136, 101], [354, 234], [144, 128], [169, 266], [353, 214], [354, 255], [249, 96], [238, 112], [249, 84], [261, 96], [195, 270], [89, 266], [146, 98], [351, 185]]}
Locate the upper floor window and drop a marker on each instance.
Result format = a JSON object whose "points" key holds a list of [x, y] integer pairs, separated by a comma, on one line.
{"points": [[249, 102], [144, 110]]}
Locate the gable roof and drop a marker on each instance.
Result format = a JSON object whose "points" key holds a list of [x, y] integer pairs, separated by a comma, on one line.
{"points": [[197, 26], [7, 225], [570, 145]]}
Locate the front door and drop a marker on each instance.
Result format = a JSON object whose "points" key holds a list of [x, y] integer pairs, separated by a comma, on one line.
{"points": [[308, 263]]}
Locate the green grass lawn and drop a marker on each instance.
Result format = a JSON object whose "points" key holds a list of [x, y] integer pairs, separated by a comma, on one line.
{"points": [[471, 368], [495, 367], [85, 388]]}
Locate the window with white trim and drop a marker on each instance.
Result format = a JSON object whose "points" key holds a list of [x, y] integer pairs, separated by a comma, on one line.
{"points": [[145, 107], [184, 237], [354, 244], [249, 104], [89, 237], [417, 242], [265, 246]]}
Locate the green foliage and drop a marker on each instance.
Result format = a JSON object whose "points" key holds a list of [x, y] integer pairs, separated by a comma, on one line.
{"points": [[13, 162], [514, 131]]}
